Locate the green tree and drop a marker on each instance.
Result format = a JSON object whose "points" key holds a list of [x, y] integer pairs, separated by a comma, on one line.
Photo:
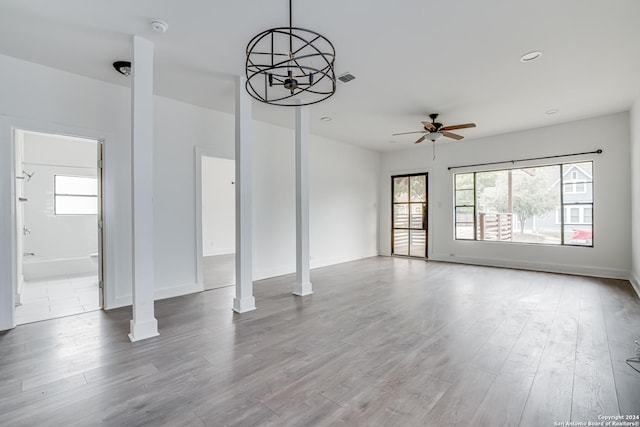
{"points": [[532, 192]]}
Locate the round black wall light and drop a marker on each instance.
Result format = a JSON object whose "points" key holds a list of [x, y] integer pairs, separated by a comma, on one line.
{"points": [[123, 67]]}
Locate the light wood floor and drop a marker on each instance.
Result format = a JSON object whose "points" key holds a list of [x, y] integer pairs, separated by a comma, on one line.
{"points": [[382, 341], [219, 271]]}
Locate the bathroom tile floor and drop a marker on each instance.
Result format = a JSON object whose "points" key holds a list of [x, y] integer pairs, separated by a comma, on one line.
{"points": [[50, 299]]}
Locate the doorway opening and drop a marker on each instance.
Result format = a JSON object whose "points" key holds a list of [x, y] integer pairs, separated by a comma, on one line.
{"points": [[218, 222], [59, 225], [409, 215]]}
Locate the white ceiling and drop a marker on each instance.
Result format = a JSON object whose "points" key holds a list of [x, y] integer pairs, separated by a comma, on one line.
{"points": [[410, 57]]}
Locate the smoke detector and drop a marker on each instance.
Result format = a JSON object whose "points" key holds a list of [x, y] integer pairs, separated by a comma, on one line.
{"points": [[159, 26]]}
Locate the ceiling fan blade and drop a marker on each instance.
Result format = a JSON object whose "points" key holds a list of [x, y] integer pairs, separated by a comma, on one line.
{"points": [[452, 135], [464, 126], [406, 133], [420, 140], [428, 125]]}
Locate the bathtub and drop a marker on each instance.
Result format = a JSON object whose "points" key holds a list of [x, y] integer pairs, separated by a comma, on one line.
{"points": [[40, 268]]}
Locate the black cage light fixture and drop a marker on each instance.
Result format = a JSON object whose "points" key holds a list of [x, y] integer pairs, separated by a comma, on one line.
{"points": [[290, 66]]}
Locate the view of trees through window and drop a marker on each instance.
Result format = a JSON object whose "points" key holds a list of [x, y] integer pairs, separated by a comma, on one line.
{"points": [[546, 204]]}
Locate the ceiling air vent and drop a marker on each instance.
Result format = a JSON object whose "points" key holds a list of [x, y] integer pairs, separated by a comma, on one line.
{"points": [[346, 77]]}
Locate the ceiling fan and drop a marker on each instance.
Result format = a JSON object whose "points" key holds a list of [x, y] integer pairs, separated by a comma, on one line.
{"points": [[434, 130]]}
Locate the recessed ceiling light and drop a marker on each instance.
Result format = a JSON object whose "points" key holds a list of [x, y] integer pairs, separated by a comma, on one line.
{"points": [[552, 111], [530, 56], [159, 26], [326, 119]]}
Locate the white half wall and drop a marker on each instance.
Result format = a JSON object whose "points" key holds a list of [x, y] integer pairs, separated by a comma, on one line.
{"points": [[610, 256], [218, 206], [635, 196], [343, 181]]}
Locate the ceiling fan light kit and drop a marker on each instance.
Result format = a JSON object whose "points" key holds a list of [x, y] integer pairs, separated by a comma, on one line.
{"points": [[433, 136], [290, 66]]}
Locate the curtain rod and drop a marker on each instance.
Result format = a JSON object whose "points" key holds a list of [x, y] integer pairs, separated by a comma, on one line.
{"points": [[599, 151]]}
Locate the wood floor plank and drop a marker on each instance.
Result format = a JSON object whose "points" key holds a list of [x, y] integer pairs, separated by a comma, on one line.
{"points": [[592, 331], [493, 354], [594, 390], [551, 393], [459, 403], [505, 400], [627, 381]]}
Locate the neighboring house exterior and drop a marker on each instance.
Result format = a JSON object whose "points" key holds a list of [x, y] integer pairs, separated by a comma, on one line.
{"points": [[577, 204]]}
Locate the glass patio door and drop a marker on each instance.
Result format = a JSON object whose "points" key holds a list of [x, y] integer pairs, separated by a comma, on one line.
{"points": [[409, 223]]}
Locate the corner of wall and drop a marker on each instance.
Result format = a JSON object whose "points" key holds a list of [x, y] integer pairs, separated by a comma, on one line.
{"points": [[634, 124], [635, 283]]}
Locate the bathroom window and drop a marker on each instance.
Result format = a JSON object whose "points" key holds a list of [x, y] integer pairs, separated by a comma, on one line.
{"points": [[75, 195]]}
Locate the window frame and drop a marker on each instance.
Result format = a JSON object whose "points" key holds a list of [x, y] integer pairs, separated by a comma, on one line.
{"points": [[562, 215], [474, 224], [56, 194]]}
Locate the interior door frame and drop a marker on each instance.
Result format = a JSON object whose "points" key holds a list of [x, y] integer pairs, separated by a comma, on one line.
{"points": [[199, 154], [100, 218], [425, 214], [18, 137]]}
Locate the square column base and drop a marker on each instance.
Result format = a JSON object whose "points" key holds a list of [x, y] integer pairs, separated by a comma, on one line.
{"points": [[243, 305], [143, 330], [303, 289]]}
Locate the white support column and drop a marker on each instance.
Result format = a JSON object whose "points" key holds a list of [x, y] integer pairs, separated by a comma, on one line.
{"points": [[144, 324], [244, 300], [303, 282]]}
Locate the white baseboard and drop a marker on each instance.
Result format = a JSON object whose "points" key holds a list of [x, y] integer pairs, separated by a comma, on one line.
{"points": [[275, 271], [163, 293], [579, 270], [325, 262], [244, 305], [143, 330], [220, 251]]}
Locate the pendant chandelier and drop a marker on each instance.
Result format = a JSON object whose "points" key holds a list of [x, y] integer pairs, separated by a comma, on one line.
{"points": [[290, 66]]}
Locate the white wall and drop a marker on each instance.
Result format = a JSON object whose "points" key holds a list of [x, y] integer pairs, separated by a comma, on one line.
{"points": [[334, 167], [47, 100], [39, 98], [343, 202], [61, 244], [610, 255], [218, 206], [635, 196]]}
